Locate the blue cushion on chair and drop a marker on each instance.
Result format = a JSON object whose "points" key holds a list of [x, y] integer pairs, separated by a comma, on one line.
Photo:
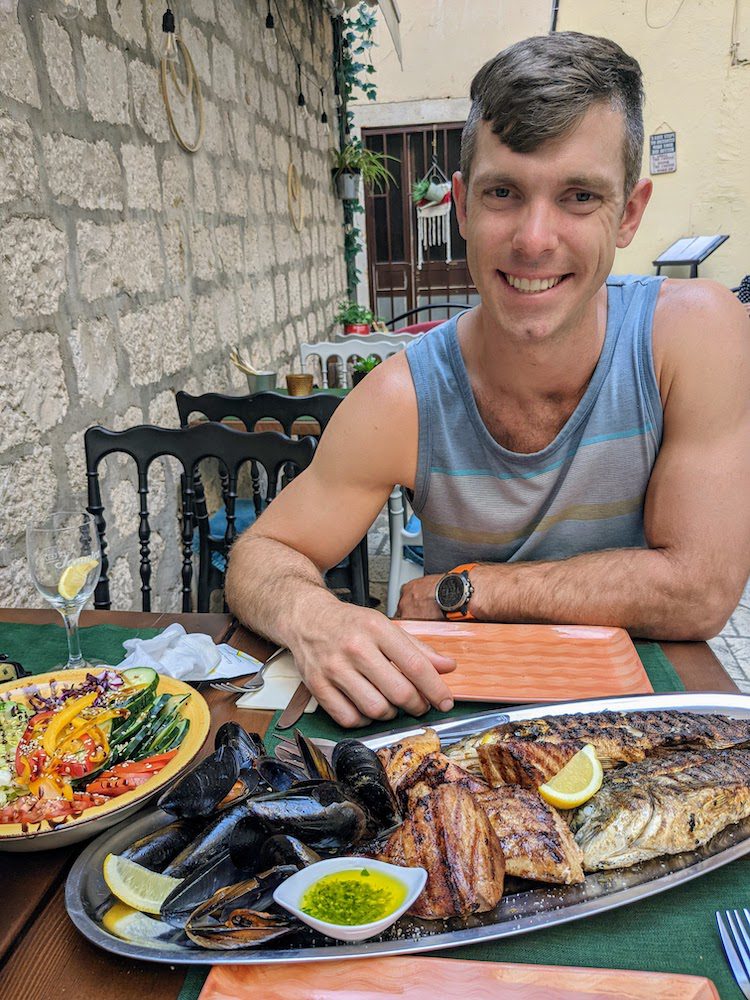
{"points": [[244, 510], [414, 553]]}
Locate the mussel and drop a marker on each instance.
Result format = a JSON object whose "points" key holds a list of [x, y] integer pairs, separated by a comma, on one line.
{"points": [[278, 775], [157, 849], [203, 788], [212, 841], [245, 842], [281, 849], [316, 764], [362, 774], [198, 887], [238, 916], [321, 815], [249, 746]]}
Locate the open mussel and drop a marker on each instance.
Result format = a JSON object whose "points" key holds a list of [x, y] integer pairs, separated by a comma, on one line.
{"points": [[157, 849], [320, 815], [361, 772], [249, 746], [241, 915], [281, 849], [203, 788], [198, 887], [277, 775], [212, 841], [316, 764]]}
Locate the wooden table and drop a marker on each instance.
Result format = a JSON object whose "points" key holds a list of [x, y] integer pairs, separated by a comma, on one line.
{"points": [[42, 955]]}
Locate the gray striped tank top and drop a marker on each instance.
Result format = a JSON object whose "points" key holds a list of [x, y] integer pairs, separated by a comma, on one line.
{"points": [[480, 502]]}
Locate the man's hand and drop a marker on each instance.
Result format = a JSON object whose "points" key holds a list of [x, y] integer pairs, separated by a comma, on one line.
{"points": [[360, 666], [417, 600]]}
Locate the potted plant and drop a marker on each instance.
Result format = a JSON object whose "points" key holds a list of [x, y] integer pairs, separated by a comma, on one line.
{"points": [[354, 318], [362, 367], [353, 161]]}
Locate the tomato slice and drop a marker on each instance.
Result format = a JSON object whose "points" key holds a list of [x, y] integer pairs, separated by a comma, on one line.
{"points": [[148, 764], [125, 777]]}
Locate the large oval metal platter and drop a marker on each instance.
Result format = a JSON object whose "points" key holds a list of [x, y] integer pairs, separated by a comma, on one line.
{"points": [[526, 906]]}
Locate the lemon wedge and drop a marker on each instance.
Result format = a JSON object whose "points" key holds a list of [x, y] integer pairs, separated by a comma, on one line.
{"points": [[132, 925], [74, 576], [576, 782], [135, 885]]}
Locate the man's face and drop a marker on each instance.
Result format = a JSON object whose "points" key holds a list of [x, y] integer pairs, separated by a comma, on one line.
{"points": [[541, 228]]}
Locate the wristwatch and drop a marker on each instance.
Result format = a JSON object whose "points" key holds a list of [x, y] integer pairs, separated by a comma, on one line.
{"points": [[453, 593]]}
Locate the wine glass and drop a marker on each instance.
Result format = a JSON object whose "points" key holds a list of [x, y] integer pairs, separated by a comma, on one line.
{"points": [[64, 563]]}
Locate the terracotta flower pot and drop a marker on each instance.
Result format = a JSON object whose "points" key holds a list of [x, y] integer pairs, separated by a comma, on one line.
{"points": [[360, 329]]}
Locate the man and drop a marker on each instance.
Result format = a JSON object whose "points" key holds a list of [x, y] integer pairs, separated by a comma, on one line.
{"points": [[584, 440]]}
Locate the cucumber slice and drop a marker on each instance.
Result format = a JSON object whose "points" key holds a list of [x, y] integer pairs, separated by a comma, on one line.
{"points": [[147, 681], [140, 676]]}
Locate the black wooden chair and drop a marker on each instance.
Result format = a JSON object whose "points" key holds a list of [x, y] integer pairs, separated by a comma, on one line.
{"points": [[189, 446], [352, 574]]}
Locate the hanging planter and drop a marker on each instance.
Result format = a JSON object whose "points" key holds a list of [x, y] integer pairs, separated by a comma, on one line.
{"points": [[353, 161], [347, 185], [432, 198]]}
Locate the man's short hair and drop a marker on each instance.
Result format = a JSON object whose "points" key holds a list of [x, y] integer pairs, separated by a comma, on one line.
{"points": [[541, 87]]}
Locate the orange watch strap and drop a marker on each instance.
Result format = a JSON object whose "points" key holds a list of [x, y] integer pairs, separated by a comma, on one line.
{"points": [[462, 616]]}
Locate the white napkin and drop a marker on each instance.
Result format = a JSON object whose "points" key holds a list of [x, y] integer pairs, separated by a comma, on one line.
{"points": [[188, 657], [281, 681]]}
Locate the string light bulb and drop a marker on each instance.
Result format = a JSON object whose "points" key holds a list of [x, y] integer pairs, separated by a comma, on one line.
{"points": [[270, 23], [168, 47], [324, 116]]}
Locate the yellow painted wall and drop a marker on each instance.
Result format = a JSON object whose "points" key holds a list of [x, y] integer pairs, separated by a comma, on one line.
{"points": [[691, 88]]}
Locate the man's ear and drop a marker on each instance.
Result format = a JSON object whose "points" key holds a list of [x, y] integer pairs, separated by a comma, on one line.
{"points": [[460, 192], [632, 214]]}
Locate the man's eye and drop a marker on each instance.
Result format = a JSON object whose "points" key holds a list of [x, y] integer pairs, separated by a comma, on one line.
{"points": [[583, 196], [501, 192]]}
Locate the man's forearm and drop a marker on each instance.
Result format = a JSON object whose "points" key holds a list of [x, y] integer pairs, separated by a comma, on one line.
{"points": [[646, 591], [274, 589]]}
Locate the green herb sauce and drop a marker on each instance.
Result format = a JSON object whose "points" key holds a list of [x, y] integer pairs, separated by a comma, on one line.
{"points": [[357, 896]]}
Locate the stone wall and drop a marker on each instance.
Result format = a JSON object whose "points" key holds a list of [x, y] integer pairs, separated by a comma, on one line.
{"points": [[129, 267]]}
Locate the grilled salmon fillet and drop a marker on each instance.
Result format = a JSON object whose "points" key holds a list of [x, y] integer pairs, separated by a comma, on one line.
{"points": [[451, 836], [617, 737], [523, 762], [399, 759], [662, 805], [433, 771], [536, 840]]}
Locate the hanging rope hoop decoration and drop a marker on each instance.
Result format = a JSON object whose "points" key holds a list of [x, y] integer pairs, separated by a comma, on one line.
{"points": [[294, 197], [432, 198], [192, 89]]}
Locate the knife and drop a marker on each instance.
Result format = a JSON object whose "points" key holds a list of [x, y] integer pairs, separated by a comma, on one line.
{"points": [[297, 705]]}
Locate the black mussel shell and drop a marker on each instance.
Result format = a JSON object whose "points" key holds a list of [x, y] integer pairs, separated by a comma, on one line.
{"points": [[202, 788], [282, 849], [199, 887], [321, 816], [245, 843], [278, 775], [248, 783], [249, 746], [361, 772], [157, 849], [211, 842], [316, 764]]}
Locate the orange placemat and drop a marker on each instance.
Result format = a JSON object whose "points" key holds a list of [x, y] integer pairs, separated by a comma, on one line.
{"points": [[527, 663]]}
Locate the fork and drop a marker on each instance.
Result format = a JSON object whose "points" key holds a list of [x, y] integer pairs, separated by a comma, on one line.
{"points": [[734, 929], [255, 683]]}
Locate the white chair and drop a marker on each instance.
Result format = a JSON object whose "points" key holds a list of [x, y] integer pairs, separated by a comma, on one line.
{"points": [[344, 350], [400, 569]]}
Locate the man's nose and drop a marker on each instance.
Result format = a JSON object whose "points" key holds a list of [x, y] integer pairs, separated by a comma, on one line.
{"points": [[536, 230]]}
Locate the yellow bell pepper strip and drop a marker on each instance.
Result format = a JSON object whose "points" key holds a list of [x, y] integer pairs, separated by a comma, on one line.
{"points": [[87, 726], [62, 719]]}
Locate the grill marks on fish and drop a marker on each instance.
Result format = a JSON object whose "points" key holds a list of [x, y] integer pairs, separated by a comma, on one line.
{"points": [[663, 805], [521, 762], [536, 840], [617, 737]]}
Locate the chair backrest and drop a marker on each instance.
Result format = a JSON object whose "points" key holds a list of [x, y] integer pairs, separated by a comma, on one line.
{"points": [[250, 409], [345, 349], [400, 569], [429, 308], [416, 328], [189, 446]]}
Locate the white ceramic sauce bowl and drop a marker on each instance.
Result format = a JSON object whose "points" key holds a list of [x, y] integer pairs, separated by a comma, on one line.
{"points": [[289, 895]]}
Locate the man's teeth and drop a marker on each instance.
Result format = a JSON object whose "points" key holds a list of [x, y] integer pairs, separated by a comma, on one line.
{"points": [[532, 285]]}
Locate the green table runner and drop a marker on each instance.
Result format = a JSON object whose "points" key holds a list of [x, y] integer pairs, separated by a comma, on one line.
{"points": [[673, 931], [39, 648]]}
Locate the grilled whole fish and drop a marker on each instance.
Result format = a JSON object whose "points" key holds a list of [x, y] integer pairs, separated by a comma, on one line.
{"points": [[450, 836], [523, 762], [662, 805], [535, 839], [617, 737]]}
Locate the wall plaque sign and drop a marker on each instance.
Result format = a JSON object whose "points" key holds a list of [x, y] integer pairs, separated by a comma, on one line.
{"points": [[663, 153]]}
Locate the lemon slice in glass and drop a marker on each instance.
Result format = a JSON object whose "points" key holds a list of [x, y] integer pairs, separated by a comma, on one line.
{"points": [[135, 885], [74, 576], [576, 782]]}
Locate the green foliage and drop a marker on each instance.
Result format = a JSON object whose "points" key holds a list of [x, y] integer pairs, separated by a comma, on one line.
{"points": [[352, 312], [419, 190], [367, 364], [355, 158]]}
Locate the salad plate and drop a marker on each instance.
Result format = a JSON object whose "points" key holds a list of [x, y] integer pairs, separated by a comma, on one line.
{"points": [[92, 751]]}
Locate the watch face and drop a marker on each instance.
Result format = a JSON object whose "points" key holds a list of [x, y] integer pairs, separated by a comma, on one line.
{"points": [[451, 592]]}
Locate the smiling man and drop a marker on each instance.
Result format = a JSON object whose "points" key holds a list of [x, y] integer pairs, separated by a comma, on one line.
{"points": [[578, 445]]}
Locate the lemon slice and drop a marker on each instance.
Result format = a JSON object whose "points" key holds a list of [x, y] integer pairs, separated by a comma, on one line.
{"points": [[576, 782], [132, 925], [74, 576], [135, 885]]}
